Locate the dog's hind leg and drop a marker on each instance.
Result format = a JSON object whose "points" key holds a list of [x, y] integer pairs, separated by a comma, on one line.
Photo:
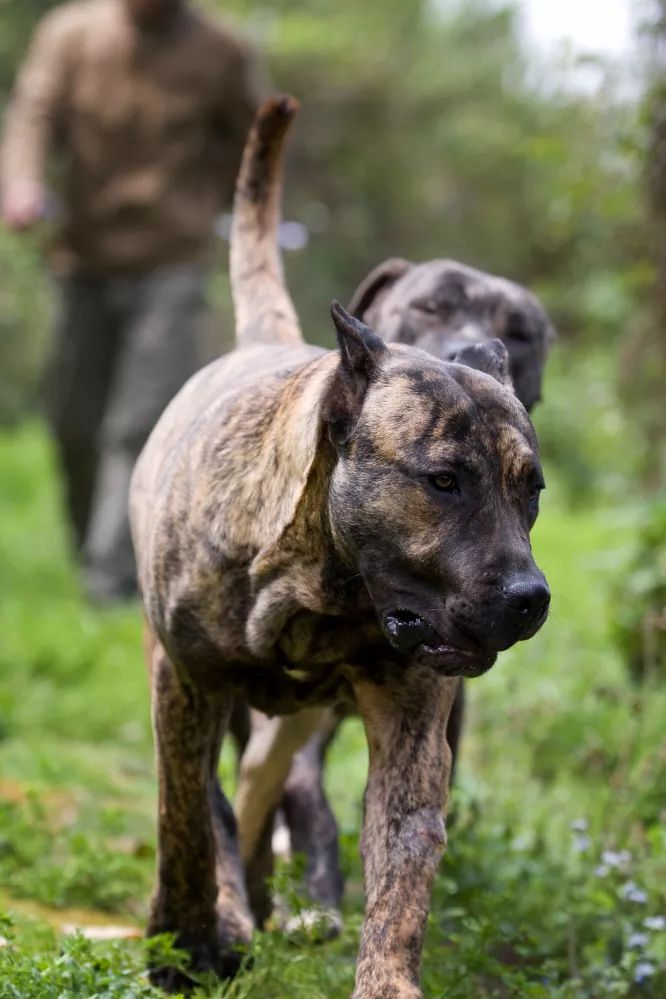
{"points": [[312, 827], [200, 896], [233, 907], [263, 771], [403, 828]]}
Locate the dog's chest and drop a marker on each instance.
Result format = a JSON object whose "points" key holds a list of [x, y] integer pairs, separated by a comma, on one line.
{"points": [[314, 658], [305, 663]]}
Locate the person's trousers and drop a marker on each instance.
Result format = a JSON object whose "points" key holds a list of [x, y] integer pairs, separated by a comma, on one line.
{"points": [[123, 348]]}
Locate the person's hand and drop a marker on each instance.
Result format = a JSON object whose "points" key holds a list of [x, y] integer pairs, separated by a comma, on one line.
{"points": [[23, 204]]}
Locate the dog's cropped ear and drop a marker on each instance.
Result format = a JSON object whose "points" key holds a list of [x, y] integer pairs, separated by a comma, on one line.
{"points": [[373, 287], [361, 350], [361, 353], [490, 357]]}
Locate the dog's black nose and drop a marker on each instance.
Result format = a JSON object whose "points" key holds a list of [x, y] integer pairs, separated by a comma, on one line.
{"points": [[527, 597], [452, 348]]}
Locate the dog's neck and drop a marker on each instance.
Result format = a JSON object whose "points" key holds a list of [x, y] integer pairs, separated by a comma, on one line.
{"points": [[257, 573], [303, 572]]}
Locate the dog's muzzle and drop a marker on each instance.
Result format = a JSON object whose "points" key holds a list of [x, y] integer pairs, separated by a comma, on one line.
{"points": [[411, 635]]}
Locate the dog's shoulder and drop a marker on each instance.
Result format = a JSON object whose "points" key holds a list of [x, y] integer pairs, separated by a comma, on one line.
{"points": [[218, 408], [224, 470]]}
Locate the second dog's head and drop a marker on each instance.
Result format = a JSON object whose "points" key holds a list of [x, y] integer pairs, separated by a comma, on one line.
{"points": [[433, 494], [442, 306]]}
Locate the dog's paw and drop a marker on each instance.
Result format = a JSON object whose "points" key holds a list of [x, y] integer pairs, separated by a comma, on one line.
{"points": [[316, 925], [171, 980], [205, 959]]}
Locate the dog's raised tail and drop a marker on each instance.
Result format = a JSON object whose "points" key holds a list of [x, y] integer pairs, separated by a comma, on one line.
{"points": [[264, 310]]}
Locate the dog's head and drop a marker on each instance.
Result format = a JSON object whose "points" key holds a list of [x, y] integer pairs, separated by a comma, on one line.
{"points": [[442, 306], [433, 495]]}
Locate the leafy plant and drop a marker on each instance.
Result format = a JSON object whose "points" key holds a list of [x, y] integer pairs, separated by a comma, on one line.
{"points": [[640, 600]]}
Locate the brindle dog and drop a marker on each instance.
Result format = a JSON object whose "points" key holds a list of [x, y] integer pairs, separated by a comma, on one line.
{"points": [[440, 306], [314, 527]]}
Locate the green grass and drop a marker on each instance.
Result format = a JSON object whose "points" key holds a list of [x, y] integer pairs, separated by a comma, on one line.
{"points": [[524, 905]]}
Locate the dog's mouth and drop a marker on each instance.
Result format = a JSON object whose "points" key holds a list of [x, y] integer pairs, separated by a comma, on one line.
{"points": [[412, 635]]}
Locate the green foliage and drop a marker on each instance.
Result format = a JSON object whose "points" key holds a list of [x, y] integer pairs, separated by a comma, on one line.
{"points": [[65, 866], [23, 323], [640, 599], [444, 137], [23, 297], [584, 431], [75, 969], [586, 940], [426, 130], [73, 645], [18, 22]]}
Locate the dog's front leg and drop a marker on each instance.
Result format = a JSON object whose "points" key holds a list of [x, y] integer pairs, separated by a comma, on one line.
{"points": [[200, 896], [403, 830]]}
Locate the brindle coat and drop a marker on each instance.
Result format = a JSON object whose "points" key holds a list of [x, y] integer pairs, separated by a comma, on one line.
{"points": [[443, 307], [314, 527]]}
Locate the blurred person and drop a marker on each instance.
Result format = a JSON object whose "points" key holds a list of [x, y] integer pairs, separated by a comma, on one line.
{"points": [[149, 104]]}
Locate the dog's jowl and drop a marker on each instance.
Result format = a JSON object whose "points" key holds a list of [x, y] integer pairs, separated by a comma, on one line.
{"points": [[319, 527]]}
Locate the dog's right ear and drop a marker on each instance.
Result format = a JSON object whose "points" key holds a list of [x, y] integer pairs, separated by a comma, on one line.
{"points": [[361, 354], [378, 282], [491, 357]]}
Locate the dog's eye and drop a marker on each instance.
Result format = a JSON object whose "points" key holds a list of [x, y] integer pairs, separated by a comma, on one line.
{"points": [[534, 500], [444, 483], [427, 305]]}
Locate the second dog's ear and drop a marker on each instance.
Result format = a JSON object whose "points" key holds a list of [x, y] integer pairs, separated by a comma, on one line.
{"points": [[373, 287], [490, 357], [361, 354]]}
